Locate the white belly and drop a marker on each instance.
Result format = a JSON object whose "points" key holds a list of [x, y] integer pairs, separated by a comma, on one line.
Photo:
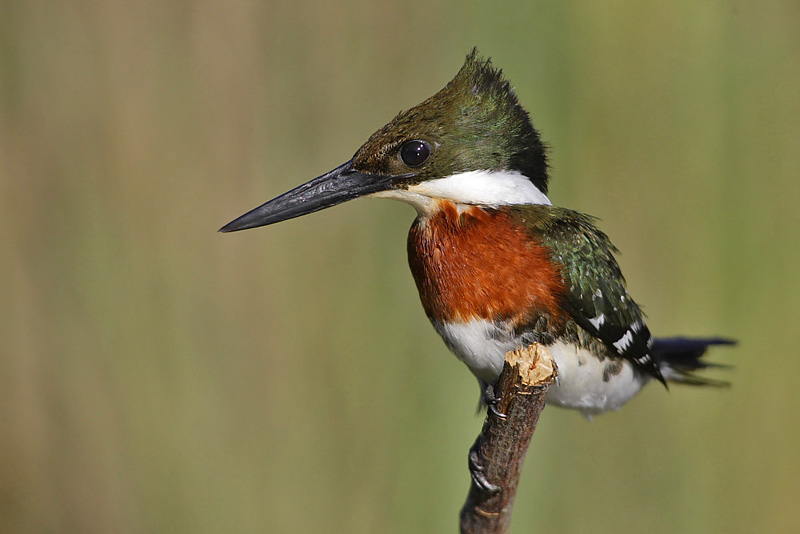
{"points": [[584, 385], [583, 382]]}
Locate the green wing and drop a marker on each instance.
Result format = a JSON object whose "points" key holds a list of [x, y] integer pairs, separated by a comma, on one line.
{"points": [[597, 299]]}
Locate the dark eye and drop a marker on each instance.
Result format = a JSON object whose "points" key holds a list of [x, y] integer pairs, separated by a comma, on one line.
{"points": [[415, 153]]}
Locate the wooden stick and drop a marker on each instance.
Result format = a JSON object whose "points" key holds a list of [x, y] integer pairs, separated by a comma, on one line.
{"points": [[497, 456]]}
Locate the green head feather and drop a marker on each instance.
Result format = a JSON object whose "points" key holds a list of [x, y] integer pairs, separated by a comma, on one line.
{"points": [[474, 123]]}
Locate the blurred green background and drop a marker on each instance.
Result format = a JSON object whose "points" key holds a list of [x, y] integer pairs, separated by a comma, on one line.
{"points": [[156, 376]]}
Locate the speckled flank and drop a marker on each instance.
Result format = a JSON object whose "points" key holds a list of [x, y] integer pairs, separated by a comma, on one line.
{"points": [[585, 382], [590, 385]]}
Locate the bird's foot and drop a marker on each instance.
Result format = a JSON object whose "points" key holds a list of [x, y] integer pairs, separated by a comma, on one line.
{"points": [[477, 471], [492, 401]]}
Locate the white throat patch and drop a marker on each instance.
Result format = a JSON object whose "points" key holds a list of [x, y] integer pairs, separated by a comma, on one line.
{"points": [[484, 188]]}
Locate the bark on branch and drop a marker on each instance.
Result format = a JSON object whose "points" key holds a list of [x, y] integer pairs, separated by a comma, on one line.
{"points": [[497, 456]]}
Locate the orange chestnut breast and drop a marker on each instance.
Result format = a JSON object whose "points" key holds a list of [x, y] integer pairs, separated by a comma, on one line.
{"points": [[481, 264]]}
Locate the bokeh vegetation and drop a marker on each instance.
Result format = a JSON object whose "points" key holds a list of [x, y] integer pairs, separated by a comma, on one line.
{"points": [[156, 376]]}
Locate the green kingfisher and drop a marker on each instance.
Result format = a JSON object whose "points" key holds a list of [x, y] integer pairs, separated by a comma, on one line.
{"points": [[497, 265]]}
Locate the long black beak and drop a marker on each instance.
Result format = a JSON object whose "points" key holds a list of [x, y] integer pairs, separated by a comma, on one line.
{"points": [[332, 188]]}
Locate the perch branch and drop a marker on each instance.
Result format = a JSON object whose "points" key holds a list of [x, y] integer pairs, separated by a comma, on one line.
{"points": [[497, 456]]}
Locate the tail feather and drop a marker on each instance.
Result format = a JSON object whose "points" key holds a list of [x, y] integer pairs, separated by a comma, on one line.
{"points": [[679, 358]]}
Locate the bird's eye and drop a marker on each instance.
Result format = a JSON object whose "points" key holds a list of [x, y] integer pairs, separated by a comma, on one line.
{"points": [[415, 153]]}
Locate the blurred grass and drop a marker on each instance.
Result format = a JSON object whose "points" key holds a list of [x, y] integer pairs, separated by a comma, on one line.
{"points": [[159, 377]]}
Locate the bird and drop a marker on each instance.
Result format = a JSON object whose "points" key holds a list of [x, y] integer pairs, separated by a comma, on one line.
{"points": [[497, 265]]}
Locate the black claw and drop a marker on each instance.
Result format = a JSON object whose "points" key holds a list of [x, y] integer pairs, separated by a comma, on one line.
{"points": [[476, 471], [492, 401], [494, 410]]}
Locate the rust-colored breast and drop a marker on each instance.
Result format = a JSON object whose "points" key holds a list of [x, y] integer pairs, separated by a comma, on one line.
{"points": [[481, 264]]}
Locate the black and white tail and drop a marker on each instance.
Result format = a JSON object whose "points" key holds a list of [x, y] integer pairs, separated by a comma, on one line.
{"points": [[678, 359]]}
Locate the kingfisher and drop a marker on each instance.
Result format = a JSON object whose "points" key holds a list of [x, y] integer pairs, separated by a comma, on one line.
{"points": [[497, 265]]}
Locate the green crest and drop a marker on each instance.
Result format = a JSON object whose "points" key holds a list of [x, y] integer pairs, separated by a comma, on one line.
{"points": [[474, 123]]}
